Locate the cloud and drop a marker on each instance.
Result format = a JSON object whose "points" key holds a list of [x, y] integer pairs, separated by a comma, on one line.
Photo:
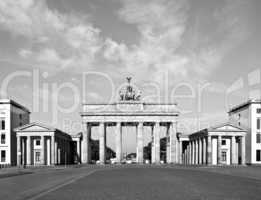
{"points": [[161, 25], [25, 53], [63, 41], [114, 51], [227, 31], [57, 41]]}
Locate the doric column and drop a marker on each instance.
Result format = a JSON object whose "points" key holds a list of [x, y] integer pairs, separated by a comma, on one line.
{"points": [[204, 149], [118, 142], [243, 150], [140, 142], [60, 151], [233, 151], [85, 144], [190, 152], [28, 150], [177, 158], [152, 145], [209, 151], [157, 142], [86, 148], [78, 150], [193, 152], [219, 142], [53, 159], [187, 153], [56, 153], [200, 151], [58, 145], [180, 152], [42, 150], [23, 150], [173, 142], [196, 152], [168, 144], [19, 153], [48, 151], [184, 161], [102, 142]]}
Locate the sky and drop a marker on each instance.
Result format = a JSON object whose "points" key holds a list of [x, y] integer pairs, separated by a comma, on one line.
{"points": [[202, 54]]}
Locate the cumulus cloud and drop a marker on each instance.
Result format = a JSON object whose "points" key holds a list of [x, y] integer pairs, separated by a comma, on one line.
{"points": [[161, 25], [57, 40], [62, 41]]}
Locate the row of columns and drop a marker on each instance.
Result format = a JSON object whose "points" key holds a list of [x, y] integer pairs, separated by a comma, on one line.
{"points": [[172, 143], [199, 151], [25, 150]]}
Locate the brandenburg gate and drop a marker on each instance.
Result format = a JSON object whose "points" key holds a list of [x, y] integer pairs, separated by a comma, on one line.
{"points": [[131, 111]]}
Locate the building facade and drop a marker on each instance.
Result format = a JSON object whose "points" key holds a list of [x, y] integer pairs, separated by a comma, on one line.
{"points": [[248, 116], [130, 111], [12, 115], [235, 142], [38, 144], [220, 145]]}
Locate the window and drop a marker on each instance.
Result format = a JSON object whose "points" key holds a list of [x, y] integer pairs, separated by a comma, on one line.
{"points": [[258, 138], [20, 116], [224, 156], [258, 110], [37, 156], [3, 156], [2, 138], [2, 124], [258, 155], [224, 142], [38, 142], [258, 123]]}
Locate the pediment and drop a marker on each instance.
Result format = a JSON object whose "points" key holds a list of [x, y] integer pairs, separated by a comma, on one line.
{"points": [[232, 128], [34, 127], [226, 127], [37, 128]]}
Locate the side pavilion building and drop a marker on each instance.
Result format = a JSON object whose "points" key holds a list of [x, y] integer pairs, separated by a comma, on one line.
{"points": [[220, 145], [39, 144], [131, 111]]}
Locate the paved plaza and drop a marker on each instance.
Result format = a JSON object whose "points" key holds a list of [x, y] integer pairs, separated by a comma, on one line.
{"points": [[133, 182]]}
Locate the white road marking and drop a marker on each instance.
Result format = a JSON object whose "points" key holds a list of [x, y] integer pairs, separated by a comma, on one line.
{"points": [[60, 186]]}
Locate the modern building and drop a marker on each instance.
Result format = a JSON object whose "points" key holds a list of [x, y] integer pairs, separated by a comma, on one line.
{"points": [[12, 115], [248, 116], [38, 144], [220, 145]]}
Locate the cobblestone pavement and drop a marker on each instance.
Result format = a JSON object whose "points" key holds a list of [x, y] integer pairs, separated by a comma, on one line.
{"points": [[135, 182]]}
